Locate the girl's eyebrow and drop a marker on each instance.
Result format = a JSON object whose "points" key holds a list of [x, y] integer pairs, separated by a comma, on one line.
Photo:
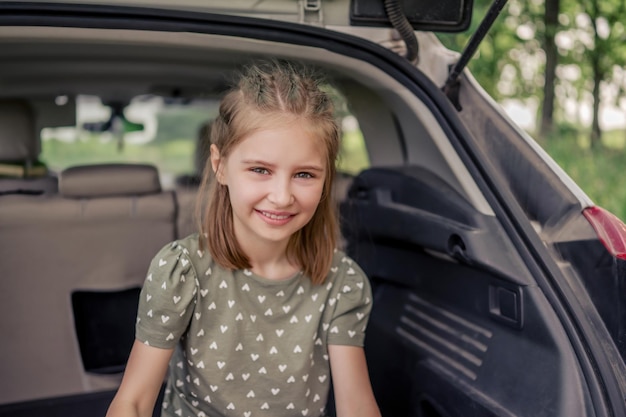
{"points": [[257, 162], [310, 168], [269, 165]]}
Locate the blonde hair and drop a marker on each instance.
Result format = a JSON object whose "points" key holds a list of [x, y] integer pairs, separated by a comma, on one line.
{"points": [[268, 93]]}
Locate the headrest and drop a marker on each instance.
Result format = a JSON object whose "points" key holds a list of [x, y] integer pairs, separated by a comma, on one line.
{"points": [[107, 180], [18, 142]]}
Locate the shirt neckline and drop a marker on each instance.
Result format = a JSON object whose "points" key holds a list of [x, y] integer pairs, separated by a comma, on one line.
{"points": [[248, 274]]}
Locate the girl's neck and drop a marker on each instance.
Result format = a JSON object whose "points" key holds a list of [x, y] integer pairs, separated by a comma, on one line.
{"points": [[270, 261], [276, 271]]}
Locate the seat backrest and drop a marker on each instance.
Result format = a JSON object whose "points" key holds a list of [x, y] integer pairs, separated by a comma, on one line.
{"points": [[98, 234], [186, 198], [187, 186], [20, 170]]}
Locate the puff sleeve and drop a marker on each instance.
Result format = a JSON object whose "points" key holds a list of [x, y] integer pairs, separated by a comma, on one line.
{"points": [[167, 298], [353, 296]]}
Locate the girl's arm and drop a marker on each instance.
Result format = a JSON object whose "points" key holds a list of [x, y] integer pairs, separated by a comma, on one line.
{"points": [[141, 383], [351, 382]]}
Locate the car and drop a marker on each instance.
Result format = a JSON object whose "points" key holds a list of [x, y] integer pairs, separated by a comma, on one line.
{"points": [[498, 284]]}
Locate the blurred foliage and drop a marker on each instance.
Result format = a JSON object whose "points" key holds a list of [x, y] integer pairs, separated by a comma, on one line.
{"points": [[597, 170], [591, 42], [353, 157], [176, 122], [174, 157], [504, 60]]}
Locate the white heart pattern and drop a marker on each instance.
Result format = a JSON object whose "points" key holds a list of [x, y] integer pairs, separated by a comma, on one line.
{"points": [[299, 306]]}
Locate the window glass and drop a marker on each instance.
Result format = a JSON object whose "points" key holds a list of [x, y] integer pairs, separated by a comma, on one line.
{"points": [[353, 156], [149, 130], [161, 132]]}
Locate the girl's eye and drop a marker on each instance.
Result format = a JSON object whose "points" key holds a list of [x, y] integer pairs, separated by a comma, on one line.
{"points": [[304, 175], [263, 171]]}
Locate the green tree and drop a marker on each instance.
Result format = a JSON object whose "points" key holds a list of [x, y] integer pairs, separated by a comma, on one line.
{"points": [[598, 50], [560, 53], [507, 61], [551, 27]]}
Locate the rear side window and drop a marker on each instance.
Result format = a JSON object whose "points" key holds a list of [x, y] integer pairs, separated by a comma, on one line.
{"points": [[353, 156]]}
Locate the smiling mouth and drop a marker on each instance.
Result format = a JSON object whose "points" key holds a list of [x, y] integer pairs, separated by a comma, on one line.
{"points": [[275, 216]]}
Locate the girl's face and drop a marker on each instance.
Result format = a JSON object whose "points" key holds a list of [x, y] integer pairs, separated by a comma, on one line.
{"points": [[275, 179]]}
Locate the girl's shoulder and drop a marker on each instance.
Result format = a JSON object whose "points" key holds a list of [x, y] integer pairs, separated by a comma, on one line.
{"points": [[342, 261], [169, 292], [189, 245], [344, 268], [186, 251]]}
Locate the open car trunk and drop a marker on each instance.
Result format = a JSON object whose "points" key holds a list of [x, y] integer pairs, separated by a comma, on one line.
{"points": [[471, 317]]}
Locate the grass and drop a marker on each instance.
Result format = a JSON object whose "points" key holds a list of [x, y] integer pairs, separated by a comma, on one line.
{"points": [[598, 171], [173, 157]]}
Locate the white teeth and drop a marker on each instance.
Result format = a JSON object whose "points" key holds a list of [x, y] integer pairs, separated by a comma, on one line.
{"points": [[274, 216]]}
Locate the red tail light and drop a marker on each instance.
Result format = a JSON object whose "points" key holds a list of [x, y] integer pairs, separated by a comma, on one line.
{"points": [[610, 230]]}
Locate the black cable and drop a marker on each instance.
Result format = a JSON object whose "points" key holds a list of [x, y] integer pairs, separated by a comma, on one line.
{"points": [[401, 24]]}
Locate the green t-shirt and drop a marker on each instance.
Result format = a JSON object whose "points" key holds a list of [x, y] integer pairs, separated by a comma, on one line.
{"points": [[245, 345]]}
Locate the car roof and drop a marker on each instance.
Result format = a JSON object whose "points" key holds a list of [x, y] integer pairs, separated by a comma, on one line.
{"points": [[284, 10], [441, 15]]}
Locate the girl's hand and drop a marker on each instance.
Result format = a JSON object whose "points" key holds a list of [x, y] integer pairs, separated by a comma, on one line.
{"points": [[351, 382]]}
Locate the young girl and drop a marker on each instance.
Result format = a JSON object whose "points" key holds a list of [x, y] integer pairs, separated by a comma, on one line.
{"points": [[257, 314]]}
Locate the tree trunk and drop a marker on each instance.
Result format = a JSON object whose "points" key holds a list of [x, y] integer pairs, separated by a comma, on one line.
{"points": [[551, 21], [595, 56], [596, 133]]}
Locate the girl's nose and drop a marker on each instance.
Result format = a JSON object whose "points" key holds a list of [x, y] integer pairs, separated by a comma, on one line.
{"points": [[281, 194]]}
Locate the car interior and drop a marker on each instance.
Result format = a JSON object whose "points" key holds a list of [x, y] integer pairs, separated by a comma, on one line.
{"points": [[457, 313]]}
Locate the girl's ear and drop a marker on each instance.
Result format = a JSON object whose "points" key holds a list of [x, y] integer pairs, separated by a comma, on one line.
{"points": [[215, 163]]}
